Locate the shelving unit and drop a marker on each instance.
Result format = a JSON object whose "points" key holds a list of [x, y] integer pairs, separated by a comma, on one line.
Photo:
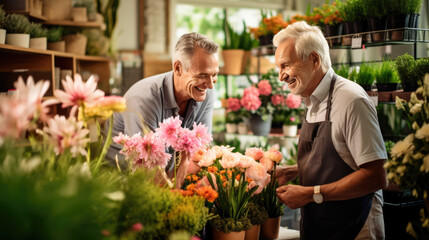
{"points": [[18, 61]]}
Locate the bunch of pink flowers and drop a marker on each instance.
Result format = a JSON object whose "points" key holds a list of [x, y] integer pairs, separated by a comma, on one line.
{"points": [[150, 150]]}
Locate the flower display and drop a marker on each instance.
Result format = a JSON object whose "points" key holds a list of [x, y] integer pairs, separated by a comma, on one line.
{"points": [[235, 113], [269, 25], [237, 178], [408, 165], [257, 100]]}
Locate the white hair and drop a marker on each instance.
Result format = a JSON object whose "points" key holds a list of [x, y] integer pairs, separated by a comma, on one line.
{"points": [[185, 47], [308, 39]]}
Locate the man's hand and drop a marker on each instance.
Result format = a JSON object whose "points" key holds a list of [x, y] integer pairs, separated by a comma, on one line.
{"points": [[286, 173], [295, 196]]}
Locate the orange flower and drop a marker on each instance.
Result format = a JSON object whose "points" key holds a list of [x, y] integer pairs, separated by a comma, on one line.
{"points": [[238, 177], [186, 193], [212, 169], [191, 187], [188, 178], [195, 178], [207, 193]]}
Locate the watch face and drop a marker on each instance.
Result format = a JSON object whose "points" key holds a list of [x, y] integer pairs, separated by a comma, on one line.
{"points": [[318, 198]]}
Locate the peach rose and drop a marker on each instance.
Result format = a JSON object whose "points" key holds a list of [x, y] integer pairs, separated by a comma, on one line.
{"points": [[274, 155], [259, 174], [252, 184], [255, 153], [208, 158], [220, 150], [198, 155], [230, 160], [267, 163], [246, 162]]}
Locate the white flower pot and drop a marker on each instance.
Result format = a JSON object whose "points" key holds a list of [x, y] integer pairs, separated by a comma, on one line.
{"points": [[2, 36], [290, 130], [242, 128], [39, 43], [231, 128], [18, 39]]}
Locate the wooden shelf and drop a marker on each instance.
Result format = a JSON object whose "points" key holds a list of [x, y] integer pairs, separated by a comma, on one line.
{"points": [[73, 24], [31, 16]]}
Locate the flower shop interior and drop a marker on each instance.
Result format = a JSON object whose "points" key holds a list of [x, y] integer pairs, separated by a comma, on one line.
{"points": [[66, 65]]}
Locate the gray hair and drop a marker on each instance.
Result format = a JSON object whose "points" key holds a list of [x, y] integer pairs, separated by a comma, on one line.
{"points": [[308, 39], [185, 47]]}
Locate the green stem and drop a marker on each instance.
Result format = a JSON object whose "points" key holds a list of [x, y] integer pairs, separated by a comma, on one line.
{"points": [[106, 146]]}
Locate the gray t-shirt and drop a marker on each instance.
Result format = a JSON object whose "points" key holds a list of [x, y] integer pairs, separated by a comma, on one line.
{"points": [[153, 100]]}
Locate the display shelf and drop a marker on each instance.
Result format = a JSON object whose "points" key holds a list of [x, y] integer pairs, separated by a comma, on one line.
{"points": [[30, 15], [18, 61], [73, 24]]}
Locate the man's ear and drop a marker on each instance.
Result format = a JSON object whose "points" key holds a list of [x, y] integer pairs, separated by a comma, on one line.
{"points": [[177, 68], [315, 59]]}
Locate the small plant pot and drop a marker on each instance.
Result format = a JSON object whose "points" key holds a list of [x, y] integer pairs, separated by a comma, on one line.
{"points": [[228, 236], [79, 14], [331, 31], [231, 127], [397, 21], [266, 40], [377, 24], [290, 130], [259, 126], [366, 87], [253, 233], [242, 128], [387, 87], [233, 60], [2, 36], [57, 46], [76, 43], [410, 87], [270, 228], [18, 39], [39, 43]]}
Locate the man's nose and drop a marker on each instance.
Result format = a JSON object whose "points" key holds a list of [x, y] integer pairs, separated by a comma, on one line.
{"points": [[213, 80]]}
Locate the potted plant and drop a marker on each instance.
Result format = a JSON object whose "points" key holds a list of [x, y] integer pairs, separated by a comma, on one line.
{"points": [[413, 7], [386, 77], [332, 22], [54, 39], [79, 11], [268, 26], [231, 52], [246, 43], [38, 36], [17, 27], [343, 71], [398, 17], [231, 122], [405, 66], [257, 216], [365, 76], [292, 116], [2, 22], [375, 11]]}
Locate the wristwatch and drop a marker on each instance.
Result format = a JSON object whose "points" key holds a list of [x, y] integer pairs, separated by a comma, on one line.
{"points": [[317, 196]]}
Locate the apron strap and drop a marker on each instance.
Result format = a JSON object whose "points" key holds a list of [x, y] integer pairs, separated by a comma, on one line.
{"points": [[328, 106]]}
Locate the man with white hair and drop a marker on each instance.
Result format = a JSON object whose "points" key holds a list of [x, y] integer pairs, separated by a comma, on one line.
{"points": [[187, 91], [341, 151]]}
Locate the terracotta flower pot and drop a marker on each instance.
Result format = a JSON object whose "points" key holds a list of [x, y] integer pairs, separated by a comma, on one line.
{"points": [[253, 233], [246, 61], [233, 60], [79, 14], [228, 236], [270, 228], [76, 43], [242, 128], [57, 46]]}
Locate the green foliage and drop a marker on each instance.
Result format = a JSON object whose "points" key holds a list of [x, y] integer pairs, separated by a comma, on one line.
{"points": [[353, 74], [422, 67], [413, 6], [232, 38], [386, 73], [228, 225], [405, 65], [269, 199], [351, 10], [257, 214], [160, 211], [36, 30], [232, 117], [97, 44], [365, 75], [374, 8], [246, 40], [3, 17], [343, 70], [399, 7], [17, 23], [55, 34], [108, 8]]}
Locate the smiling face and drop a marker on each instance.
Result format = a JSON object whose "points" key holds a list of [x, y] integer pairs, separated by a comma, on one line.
{"points": [[300, 75], [192, 83]]}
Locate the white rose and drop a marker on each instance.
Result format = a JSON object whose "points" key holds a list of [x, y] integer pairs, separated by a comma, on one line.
{"points": [[423, 132], [416, 108]]}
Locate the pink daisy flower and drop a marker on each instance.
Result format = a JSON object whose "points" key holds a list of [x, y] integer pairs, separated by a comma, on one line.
{"points": [[169, 129], [186, 141], [202, 134], [152, 151], [78, 92]]}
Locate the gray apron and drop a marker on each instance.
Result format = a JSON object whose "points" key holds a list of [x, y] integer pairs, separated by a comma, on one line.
{"points": [[319, 163]]}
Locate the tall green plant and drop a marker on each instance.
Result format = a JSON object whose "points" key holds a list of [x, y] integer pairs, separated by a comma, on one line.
{"points": [[343, 70], [108, 8], [17, 23], [374, 8], [414, 6], [55, 34], [386, 73], [3, 16], [365, 75], [351, 10], [37, 31]]}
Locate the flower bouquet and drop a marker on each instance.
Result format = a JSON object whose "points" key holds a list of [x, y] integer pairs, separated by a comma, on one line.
{"points": [[408, 166], [268, 27]]}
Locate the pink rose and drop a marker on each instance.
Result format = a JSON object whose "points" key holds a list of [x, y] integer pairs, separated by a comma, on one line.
{"points": [[229, 160], [255, 153], [293, 101], [234, 104], [264, 87], [246, 162], [251, 91], [137, 227], [278, 99], [251, 102], [267, 162], [258, 173], [220, 150]]}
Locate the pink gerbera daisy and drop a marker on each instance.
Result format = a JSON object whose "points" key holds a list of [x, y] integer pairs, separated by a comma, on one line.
{"points": [[169, 130], [152, 151], [202, 134]]}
